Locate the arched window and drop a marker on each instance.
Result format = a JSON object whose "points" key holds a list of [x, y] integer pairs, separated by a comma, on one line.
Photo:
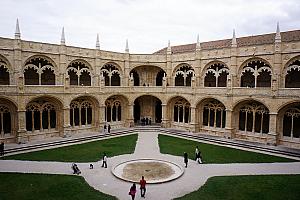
{"points": [[111, 75], [39, 71], [81, 113], [256, 74], [292, 75], [181, 111], [40, 115], [184, 75], [5, 120], [113, 110], [291, 122], [216, 76], [4, 73], [254, 117], [214, 114], [79, 74]]}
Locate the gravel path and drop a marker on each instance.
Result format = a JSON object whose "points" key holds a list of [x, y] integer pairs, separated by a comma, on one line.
{"points": [[147, 147]]}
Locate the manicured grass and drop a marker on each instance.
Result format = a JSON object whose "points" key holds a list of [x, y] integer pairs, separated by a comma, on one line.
{"points": [[213, 153], [271, 187], [14, 186], [87, 152]]}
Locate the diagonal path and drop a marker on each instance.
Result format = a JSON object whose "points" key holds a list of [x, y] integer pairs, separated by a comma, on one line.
{"points": [[147, 147]]}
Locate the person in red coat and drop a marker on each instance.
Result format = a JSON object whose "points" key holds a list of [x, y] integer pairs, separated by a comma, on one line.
{"points": [[143, 187]]}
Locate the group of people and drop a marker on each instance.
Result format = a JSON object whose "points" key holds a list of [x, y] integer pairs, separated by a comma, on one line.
{"points": [[106, 128], [198, 157], [77, 171], [132, 190], [2, 149], [146, 121]]}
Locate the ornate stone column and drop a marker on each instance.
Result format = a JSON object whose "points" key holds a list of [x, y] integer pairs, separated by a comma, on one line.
{"points": [[21, 133], [130, 119], [228, 125], [164, 119], [66, 123], [273, 137], [193, 122]]}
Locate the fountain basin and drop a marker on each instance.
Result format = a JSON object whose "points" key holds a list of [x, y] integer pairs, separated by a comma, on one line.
{"points": [[154, 171]]}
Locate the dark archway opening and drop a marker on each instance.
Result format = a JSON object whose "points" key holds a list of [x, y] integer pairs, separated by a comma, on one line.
{"points": [[159, 78], [147, 110]]}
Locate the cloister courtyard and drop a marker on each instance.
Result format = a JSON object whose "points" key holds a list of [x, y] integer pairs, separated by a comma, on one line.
{"points": [[229, 171]]}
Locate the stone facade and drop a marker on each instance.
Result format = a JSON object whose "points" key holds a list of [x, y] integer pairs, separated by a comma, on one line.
{"points": [[243, 88]]}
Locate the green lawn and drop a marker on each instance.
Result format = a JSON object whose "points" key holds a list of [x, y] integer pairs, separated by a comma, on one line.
{"points": [[213, 153], [87, 152], [271, 187], [14, 186]]}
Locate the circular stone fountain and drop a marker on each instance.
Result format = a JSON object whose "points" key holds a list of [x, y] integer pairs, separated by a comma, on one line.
{"points": [[154, 171]]}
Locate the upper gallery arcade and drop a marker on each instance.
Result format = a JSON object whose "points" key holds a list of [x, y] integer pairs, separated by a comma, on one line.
{"points": [[245, 88]]}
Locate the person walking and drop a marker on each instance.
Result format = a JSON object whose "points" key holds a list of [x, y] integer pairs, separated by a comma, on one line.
{"points": [[104, 128], [143, 187], [2, 149], [132, 191], [185, 159], [199, 157], [196, 153], [108, 128], [104, 160]]}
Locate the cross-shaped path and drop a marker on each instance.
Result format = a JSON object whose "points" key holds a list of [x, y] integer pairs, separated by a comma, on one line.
{"points": [[147, 147]]}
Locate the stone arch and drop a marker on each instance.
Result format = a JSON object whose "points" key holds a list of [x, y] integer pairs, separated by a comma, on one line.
{"points": [[215, 74], [179, 110], [291, 73], [40, 70], [147, 109], [183, 75], [44, 114], [112, 74], [288, 124], [116, 109], [84, 112], [255, 72], [211, 114], [8, 120], [80, 73], [147, 75], [5, 71], [253, 117]]}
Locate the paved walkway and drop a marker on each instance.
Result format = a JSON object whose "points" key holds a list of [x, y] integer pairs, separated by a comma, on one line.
{"points": [[147, 147]]}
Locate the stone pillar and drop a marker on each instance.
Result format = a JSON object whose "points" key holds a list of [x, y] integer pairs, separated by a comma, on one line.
{"points": [[228, 124], [101, 116], [130, 119], [21, 133], [66, 123], [126, 70], [272, 137], [18, 78], [234, 66], [193, 122], [164, 120]]}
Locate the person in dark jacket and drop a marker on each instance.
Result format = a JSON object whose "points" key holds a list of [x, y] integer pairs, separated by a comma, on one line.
{"points": [[108, 128], [185, 159], [2, 149], [132, 191]]}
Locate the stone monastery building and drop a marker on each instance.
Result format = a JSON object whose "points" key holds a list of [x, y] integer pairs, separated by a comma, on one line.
{"points": [[244, 88]]}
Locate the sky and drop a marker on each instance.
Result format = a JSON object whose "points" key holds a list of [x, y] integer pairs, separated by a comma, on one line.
{"points": [[147, 24]]}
